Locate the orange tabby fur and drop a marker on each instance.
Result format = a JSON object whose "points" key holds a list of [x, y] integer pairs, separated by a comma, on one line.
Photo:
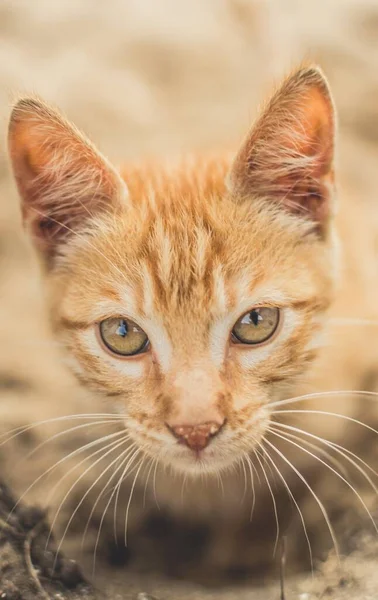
{"points": [[184, 250]]}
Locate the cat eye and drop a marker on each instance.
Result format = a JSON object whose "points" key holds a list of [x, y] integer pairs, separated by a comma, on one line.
{"points": [[123, 336], [256, 326]]}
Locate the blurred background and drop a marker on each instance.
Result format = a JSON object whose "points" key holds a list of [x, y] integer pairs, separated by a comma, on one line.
{"points": [[145, 77]]}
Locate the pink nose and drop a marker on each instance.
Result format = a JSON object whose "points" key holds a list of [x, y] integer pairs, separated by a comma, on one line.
{"points": [[196, 437]]}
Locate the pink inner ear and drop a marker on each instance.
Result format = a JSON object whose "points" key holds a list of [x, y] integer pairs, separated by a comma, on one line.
{"points": [[288, 156], [63, 181]]}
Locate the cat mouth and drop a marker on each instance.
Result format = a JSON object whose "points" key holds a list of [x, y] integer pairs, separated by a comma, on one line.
{"points": [[200, 455], [208, 460]]}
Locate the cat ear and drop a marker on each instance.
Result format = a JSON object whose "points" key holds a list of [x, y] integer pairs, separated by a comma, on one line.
{"points": [[62, 179], [288, 156]]}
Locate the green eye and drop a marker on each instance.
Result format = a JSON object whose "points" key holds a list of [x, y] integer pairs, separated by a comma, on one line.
{"points": [[123, 336], [256, 326]]}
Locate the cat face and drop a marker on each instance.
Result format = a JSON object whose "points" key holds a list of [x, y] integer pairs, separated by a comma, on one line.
{"points": [[188, 296]]}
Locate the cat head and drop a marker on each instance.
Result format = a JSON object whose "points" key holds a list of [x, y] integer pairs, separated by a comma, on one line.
{"points": [[188, 296]]}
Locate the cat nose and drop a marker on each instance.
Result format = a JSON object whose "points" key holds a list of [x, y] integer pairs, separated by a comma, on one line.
{"points": [[196, 437]]}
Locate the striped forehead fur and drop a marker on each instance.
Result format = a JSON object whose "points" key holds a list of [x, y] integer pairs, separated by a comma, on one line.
{"points": [[187, 240], [189, 222]]}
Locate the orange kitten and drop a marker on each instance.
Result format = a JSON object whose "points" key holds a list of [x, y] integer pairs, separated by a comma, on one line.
{"points": [[192, 298]]}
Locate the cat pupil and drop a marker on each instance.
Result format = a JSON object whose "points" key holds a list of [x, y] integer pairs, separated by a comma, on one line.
{"points": [[122, 328], [255, 317]]}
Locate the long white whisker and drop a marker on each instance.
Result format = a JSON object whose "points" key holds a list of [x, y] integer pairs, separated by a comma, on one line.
{"points": [[65, 432], [154, 483], [151, 463], [269, 466], [119, 443], [220, 482], [332, 393], [114, 491], [284, 437], [121, 458], [251, 467], [344, 452], [118, 488], [61, 461], [131, 495], [84, 496], [24, 428], [184, 481], [325, 453], [325, 413], [256, 452], [241, 461], [86, 458], [316, 498], [295, 503]]}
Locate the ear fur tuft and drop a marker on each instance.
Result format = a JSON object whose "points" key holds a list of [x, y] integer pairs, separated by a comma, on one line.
{"points": [[288, 156], [62, 179]]}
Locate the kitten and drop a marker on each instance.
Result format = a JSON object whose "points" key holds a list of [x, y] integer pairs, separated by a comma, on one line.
{"points": [[192, 298]]}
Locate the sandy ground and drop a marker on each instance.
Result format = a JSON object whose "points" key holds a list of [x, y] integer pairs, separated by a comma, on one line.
{"points": [[165, 76]]}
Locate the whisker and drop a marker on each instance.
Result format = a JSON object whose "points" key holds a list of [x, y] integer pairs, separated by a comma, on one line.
{"points": [[154, 483], [283, 437], [316, 498], [123, 441], [65, 432], [326, 454], [121, 458], [251, 468], [131, 495], [24, 428], [118, 488], [85, 459], [241, 462], [184, 481], [344, 452], [269, 466], [61, 461], [325, 413], [220, 482], [82, 500], [256, 452], [332, 393], [291, 495], [151, 463]]}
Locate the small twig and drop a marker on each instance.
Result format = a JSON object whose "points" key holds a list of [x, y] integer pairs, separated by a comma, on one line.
{"points": [[29, 563], [282, 568]]}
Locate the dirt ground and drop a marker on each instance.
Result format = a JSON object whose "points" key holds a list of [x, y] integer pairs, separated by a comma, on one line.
{"points": [[143, 77]]}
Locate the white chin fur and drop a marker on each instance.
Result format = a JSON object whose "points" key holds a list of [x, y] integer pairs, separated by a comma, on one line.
{"points": [[209, 462]]}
